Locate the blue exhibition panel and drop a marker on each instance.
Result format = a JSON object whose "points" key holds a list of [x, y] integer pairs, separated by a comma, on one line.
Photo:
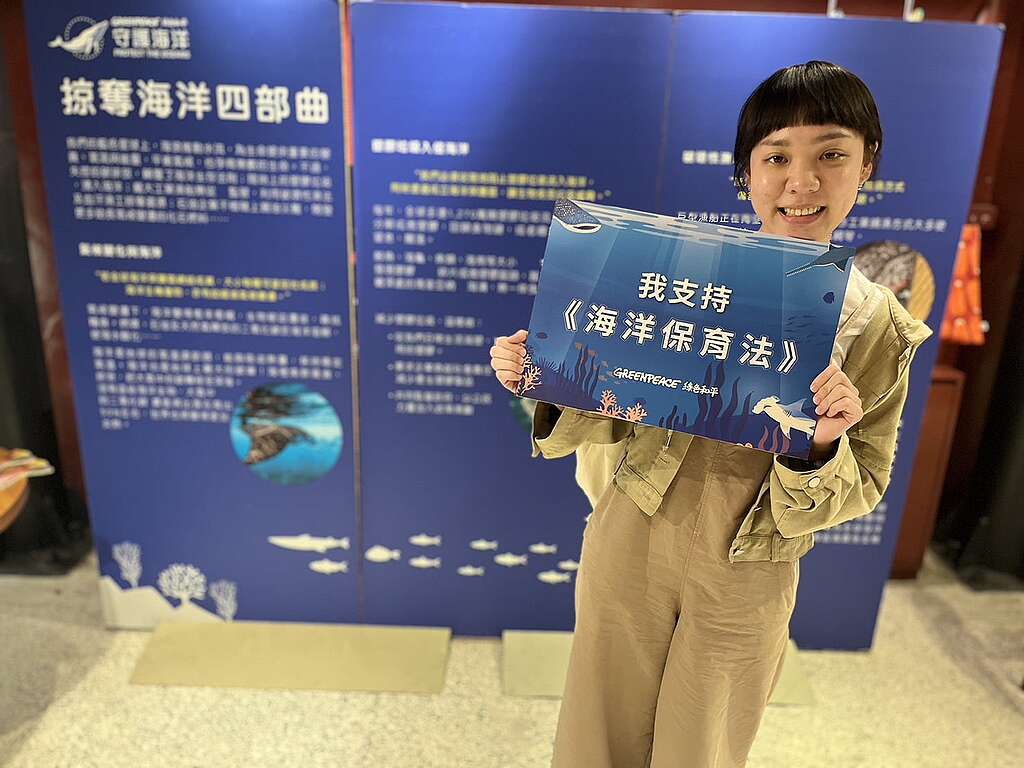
{"points": [[469, 122], [194, 168], [933, 85]]}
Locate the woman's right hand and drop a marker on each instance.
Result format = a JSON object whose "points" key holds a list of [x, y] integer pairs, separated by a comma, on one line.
{"points": [[507, 359]]}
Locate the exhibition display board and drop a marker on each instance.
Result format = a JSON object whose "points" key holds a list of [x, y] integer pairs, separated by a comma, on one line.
{"points": [[193, 157]]}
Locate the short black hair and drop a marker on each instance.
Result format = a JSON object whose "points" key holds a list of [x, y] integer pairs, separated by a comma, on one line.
{"points": [[815, 93]]}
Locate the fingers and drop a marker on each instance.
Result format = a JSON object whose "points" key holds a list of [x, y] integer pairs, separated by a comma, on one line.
{"points": [[841, 399], [508, 355], [508, 359], [847, 406], [511, 383], [824, 376], [827, 386]]}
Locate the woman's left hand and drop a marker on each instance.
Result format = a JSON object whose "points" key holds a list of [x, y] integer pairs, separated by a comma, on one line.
{"points": [[838, 407]]}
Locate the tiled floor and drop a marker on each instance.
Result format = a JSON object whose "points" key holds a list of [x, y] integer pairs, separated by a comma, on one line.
{"points": [[940, 689]]}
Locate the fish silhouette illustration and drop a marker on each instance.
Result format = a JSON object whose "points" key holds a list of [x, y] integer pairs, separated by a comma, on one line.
{"points": [[836, 257], [425, 562], [569, 565], [423, 540], [510, 560], [268, 440], [379, 554], [307, 543], [554, 577], [544, 549], [86, 43], [482, 545], [470, 570], [788, 416], [329, 566], [574, 218]]}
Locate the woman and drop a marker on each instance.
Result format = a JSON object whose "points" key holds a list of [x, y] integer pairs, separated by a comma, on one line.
{"points": [[690, 559]]}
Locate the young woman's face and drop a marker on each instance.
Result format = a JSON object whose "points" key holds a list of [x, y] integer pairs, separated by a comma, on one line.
{"points": [[804, 179]]}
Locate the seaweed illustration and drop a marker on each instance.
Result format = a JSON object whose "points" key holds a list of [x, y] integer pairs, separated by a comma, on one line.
{"points": [[773, 441], [577, 382], [712, 420]]}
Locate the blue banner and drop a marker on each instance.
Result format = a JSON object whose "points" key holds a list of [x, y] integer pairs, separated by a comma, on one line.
{"points": [[464, 141], [194, 167], [470, 121], [700, 328]]}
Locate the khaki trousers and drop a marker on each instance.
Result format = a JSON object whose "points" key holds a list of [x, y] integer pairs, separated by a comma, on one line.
{"points": [[676, 650]]}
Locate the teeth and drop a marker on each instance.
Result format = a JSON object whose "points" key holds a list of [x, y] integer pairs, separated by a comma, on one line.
{"points": [[801, 211]]}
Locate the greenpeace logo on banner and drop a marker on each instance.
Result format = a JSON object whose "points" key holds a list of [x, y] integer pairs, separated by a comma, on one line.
{"points": [[83, 38], [135, 37]]}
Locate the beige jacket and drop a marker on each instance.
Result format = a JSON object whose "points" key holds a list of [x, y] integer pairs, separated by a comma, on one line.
{"points": [[875, 344]]}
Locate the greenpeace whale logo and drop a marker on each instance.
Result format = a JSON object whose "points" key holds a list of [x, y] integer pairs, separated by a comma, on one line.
{"points": [[83, 38]]}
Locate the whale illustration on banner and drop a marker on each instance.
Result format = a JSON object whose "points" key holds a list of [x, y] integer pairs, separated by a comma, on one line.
{"points": [[85, 43]]}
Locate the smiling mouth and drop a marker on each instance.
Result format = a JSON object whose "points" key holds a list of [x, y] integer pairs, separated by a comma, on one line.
{"points": [[802, 215]]}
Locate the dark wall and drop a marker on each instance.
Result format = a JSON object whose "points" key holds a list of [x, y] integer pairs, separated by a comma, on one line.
{"points": [[48, 535]]}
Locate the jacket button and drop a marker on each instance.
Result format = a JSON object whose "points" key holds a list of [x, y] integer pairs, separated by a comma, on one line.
{"points": [[814, 482]]}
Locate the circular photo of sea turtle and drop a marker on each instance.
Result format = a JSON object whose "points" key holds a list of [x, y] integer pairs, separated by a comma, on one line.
{"points": [[286, 433], [903, 270]]}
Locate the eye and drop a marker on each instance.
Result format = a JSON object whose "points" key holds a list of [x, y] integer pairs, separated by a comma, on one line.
{"points": [[774, 157], [836, 155]]}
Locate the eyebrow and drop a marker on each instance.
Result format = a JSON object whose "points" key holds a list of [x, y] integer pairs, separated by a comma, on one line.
{"points": [[823, 137]]}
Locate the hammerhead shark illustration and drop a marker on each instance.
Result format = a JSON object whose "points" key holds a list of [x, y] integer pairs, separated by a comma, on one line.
{"points": [[87, 42], [788, 416]]}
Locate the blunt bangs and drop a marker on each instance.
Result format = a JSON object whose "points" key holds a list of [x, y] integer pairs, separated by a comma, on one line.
{"points": [[815, 93]]}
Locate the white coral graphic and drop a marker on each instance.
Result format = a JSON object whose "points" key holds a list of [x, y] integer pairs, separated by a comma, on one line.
{"points": [[635, 413], [610, 404], [531, 375], [225, 595], [184, 582], [128, 556]]}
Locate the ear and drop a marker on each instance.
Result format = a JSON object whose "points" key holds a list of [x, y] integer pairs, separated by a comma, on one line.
{"points": [[865, 171]]}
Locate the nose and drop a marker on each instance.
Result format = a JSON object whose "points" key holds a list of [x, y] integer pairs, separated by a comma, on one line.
{"points": [[802, 179]]}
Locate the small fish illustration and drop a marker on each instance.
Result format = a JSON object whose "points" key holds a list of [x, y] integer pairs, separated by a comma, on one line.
{"points": [[470, 570], [425, 562], [379, 554], [569, 565], [87, 42], [423, 540], [482, 544], [329, 566], [544, 549], [788, 416], [554, 577], [307, 543], [509, 560]]}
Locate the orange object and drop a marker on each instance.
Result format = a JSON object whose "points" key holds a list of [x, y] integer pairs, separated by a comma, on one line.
{"points": [[963, 323]]}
